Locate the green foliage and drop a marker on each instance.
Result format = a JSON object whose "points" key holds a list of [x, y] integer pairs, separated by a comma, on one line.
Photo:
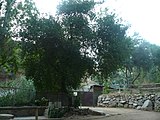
{"points": [[142, 56], [42, 102], [144, 62], [75, 21], [10, 59], [106, 88], [154, 75], [141, 67], [98, 79], [9, 49], [57, 112], [21, 92], [75, 6], [112, 45], [157, 58], [54, 63], [59, 52]]}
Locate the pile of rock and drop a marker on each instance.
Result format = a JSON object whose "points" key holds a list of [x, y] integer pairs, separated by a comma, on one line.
{"points": [[136, 101], [157, 104]]}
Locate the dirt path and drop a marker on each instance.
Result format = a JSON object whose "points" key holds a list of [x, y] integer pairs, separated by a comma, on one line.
{"points": [[123, 114], [111, 114]]}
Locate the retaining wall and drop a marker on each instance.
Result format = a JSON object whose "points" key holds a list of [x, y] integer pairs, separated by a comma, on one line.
{"points": [[147, 101]]}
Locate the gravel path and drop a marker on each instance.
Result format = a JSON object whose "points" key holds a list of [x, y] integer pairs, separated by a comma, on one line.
{"points": [[126, 114], [111, 114]]}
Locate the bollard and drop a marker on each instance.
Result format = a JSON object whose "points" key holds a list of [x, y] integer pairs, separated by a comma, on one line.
{"points": [[36, 114]]}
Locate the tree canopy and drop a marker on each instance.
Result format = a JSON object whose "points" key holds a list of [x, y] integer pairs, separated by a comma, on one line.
{"points": [[52, 61], [9, 49], [58, 52], [113, 46]]}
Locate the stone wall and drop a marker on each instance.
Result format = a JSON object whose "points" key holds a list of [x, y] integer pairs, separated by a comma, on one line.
{"points": [[137, 101]]}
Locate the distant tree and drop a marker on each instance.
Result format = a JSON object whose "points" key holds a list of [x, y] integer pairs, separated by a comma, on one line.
{"points": [[155, 71], [157, 58], [113, 46], [142, 56], [141, 66], [140, 63], [9, 49]]}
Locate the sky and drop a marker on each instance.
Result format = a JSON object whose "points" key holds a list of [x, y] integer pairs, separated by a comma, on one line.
{"points": [[142, 15]]}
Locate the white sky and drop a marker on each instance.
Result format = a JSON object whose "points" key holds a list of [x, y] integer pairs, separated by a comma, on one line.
{"points": [[143, 15]]}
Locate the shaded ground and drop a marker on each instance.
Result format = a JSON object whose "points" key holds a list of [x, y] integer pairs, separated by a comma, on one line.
{"points": [[112, 114], [126, 114]]}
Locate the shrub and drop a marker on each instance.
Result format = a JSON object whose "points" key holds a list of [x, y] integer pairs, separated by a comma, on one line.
{"points": [[21, 92], [42, 102], [106, 88], [56, 112]]}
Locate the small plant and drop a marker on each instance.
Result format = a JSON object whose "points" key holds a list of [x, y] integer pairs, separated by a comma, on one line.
{"points": [[106, 88], [42, 102], [57, 112]]}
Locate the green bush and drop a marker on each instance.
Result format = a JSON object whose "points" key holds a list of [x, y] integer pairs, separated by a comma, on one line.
{"points": [[106, 88], [56, 112], [21, 92], [41, 102]]}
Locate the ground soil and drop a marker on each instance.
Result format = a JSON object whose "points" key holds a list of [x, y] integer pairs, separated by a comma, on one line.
{"points": [[110, 114], [119, 114]]}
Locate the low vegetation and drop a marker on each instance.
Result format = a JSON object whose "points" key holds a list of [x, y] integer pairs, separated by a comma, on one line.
{"points": [[18, 92]]}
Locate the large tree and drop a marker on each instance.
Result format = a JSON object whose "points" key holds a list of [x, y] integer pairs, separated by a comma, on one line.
{"points": [[59, 52], [53, 62], [102, 38]]}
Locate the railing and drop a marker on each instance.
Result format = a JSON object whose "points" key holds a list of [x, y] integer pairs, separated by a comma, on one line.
{"points": [[9, 101], [36, 109], [153, 87], [144, 88], [11, 96]]}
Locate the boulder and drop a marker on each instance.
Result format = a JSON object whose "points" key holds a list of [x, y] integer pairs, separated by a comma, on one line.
{"points": [[147, 105], [100, 105], [135, 105], [122, 101], [107, 99], [157, 104], [105, 102], [113, 104], [126, 105], [130, 103], [140, 102], [120, 105], [139, 107], [130, 106]]}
